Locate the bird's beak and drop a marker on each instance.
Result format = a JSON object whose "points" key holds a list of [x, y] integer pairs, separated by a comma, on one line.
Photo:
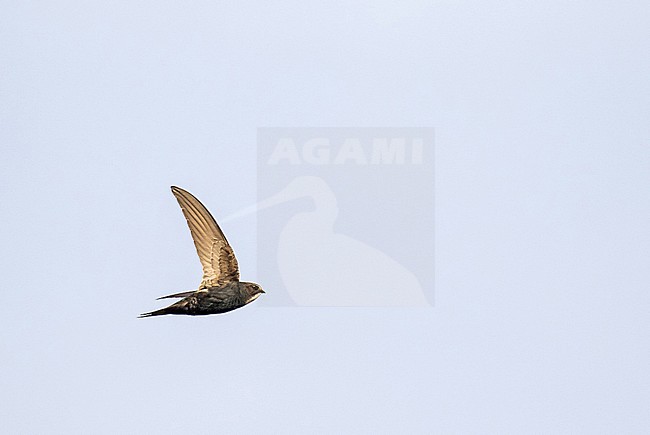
{"points": [[285, 195]]}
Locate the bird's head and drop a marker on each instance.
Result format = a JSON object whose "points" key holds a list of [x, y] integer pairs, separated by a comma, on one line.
{"points": [[254, 291]]}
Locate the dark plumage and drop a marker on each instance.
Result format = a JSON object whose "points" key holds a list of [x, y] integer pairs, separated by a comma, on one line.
{"points": [[220, 290]]}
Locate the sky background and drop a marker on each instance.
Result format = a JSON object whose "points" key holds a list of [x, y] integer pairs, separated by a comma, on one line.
{"points": [[540, 321]]}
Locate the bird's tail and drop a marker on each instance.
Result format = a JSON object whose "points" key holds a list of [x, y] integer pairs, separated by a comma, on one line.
{"points": [[160, 312], [177, 295]]}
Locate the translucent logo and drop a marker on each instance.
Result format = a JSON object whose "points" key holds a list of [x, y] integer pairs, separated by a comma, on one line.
{"points": [[345, 216]]}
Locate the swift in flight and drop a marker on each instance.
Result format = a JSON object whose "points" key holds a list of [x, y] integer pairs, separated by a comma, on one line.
{"points": [[220, 290]]}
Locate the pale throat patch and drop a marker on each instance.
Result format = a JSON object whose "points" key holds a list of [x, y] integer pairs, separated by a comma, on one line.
{"points": [[252, 298]]}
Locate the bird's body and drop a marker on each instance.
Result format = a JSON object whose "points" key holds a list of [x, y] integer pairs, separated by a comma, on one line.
{"points": [[220, 290], [213, 300]]}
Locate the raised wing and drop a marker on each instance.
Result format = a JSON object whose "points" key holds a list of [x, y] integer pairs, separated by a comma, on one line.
{"points": [[216, 255]]}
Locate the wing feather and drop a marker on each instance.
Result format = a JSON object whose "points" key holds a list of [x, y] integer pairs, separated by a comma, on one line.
{"points": [[216, 255]]}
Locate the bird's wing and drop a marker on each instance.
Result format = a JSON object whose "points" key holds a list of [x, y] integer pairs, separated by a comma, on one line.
{"points": [[216, 255]]}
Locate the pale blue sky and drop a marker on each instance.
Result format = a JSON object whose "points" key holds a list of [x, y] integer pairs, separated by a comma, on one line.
{"points": [[541, 308]]}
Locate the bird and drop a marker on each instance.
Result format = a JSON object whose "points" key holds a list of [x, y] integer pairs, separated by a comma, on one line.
{"points": [[220, 290]]}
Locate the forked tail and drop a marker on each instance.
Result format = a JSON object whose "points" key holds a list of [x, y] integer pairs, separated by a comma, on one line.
{"points": [[160, 312], [178, 295]]}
